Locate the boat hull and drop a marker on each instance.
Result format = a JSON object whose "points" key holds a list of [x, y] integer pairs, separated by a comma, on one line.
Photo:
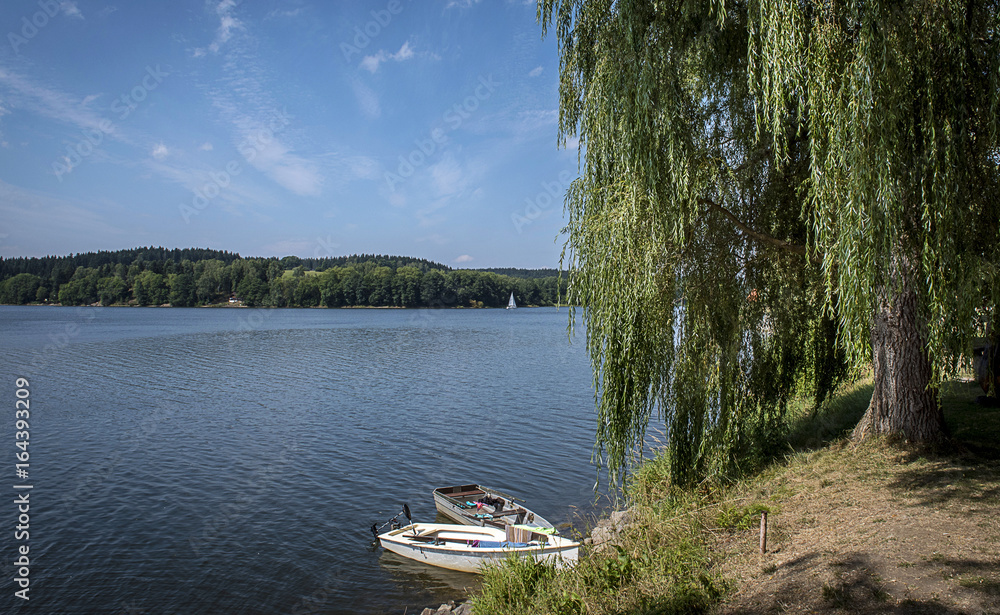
{"points": [[456, 547]]}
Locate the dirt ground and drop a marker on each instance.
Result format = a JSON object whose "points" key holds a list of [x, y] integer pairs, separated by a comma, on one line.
{"points": [[871, 530]]}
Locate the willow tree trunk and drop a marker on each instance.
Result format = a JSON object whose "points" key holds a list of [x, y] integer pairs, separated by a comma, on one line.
{"points": [[903, 404]]}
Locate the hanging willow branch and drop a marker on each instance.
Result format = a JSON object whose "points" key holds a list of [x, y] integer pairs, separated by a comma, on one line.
{"points": [[835, 132]]}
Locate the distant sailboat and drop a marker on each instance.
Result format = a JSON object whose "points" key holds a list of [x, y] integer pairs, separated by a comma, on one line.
{"points": [[510, 304]]}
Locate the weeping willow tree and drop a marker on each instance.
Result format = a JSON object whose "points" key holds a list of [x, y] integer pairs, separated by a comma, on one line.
{"points": [[770, 191]]}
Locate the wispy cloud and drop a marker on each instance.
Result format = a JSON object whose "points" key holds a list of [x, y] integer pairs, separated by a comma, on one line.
{"points": [[285, 13], [160, 151], [260, 130], [372, 62], [294, 173], [465, 258], [206, 147], [535, 72], [228, 24], [447, 177], [69, 9], [62, 224], [25, 94], [367, 99]]}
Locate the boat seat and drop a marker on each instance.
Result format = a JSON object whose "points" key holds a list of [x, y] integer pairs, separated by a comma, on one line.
{"points": [[465, 494]]}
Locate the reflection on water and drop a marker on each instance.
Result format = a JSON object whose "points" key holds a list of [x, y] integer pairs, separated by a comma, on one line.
{"points": [[198, 460]]}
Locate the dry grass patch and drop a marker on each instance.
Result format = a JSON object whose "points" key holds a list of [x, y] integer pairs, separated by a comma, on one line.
{"points": [[873, 529]]}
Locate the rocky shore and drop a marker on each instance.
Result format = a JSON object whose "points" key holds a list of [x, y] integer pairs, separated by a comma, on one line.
{"points": [[449, 609], [607, 530]]}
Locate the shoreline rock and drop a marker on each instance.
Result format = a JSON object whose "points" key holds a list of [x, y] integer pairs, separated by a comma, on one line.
{"points": [[449, 608], [607, 530]]}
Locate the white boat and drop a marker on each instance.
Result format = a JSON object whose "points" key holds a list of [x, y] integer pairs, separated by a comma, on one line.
{"points": [[511, 304], [483, 506], [469, 549]]}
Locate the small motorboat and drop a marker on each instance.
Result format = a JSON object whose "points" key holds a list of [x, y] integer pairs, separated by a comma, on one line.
{"points": [[485, 507], [469, 549]]}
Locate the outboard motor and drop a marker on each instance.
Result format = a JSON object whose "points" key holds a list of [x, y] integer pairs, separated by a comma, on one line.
{"points": [[393, 523]]}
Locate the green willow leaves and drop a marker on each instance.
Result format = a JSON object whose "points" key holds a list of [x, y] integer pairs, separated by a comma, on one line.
{"points": [[748, 169]]}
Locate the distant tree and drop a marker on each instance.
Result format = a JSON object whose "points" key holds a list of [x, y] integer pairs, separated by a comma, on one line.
{"points": [[150, 288], [488, 289], [112, 290], [291, 262], [406, 286], [182, 290], [432, 289], [378, 282], [308, 293], [332, 289], [252, 291], [20, 289], [74, 292]]}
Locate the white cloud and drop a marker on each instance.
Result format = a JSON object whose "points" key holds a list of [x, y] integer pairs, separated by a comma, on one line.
{"points": [[536, 121], [206, 147], [70, 9], [297, 175], [462, 4], [465, 258], [227, 25], [536, 71], [287, 169], [363, 167], [447, 177], [160, 151], [50, 103], [281, 13], [371, 63]]}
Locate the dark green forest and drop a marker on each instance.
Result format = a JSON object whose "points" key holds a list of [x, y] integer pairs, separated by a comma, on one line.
{"points": [[197, 277]]}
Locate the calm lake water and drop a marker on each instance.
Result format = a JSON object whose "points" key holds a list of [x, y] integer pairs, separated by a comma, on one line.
{"points": [[233, 460]]}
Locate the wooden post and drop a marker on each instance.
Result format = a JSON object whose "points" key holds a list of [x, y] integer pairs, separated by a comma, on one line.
{"points": [[763, 532]]}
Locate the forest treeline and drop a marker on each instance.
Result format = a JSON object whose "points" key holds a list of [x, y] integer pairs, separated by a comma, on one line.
{"points": [[196, 277]]}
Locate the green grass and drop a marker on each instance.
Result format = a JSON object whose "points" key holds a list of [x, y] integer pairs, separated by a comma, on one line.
{"points": [[660, 565], [663, 564]]}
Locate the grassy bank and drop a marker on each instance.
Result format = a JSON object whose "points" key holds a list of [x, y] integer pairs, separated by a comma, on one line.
{"points": [[873, 528]]}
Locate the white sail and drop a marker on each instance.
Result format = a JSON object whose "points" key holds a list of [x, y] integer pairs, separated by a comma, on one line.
{"points": [[510, 304]]}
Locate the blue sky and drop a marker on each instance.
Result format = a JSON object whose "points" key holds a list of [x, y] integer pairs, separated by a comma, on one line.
{"points": [[282, 127]]}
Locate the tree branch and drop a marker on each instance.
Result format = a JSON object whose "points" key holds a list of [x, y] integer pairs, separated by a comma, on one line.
{"points": [[746, 230]]}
